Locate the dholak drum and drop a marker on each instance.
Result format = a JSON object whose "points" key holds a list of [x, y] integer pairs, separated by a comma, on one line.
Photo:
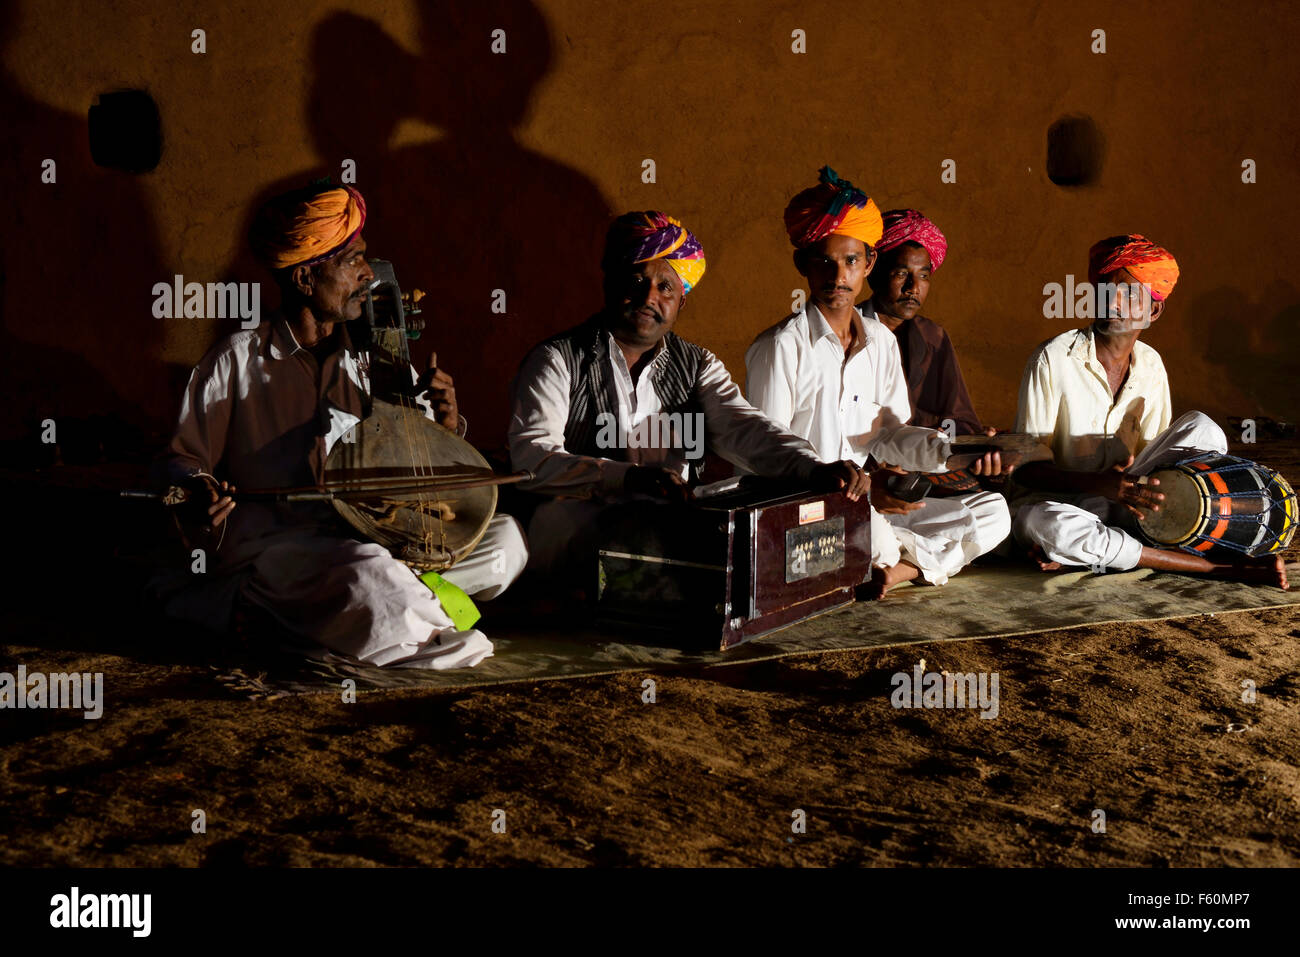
{"points": [[1221, 507]]}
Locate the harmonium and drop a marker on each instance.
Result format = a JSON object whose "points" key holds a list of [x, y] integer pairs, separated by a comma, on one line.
{"points": [[742, 559]]}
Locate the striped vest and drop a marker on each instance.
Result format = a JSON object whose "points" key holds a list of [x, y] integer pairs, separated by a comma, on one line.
{"points": [[585, 349]]}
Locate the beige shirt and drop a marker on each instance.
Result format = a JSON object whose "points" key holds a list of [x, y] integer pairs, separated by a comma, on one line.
{"points": [[1066, 402]]}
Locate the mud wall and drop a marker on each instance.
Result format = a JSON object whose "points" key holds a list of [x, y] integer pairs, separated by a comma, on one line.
{"points": [[489, 171]]}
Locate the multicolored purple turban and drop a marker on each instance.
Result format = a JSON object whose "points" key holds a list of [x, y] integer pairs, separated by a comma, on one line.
{"points": [[910, 226], [1149, 263], [641, 237], [833, 206]]}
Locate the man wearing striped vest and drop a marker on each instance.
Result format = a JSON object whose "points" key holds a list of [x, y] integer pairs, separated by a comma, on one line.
{"points": [[621, 406]]}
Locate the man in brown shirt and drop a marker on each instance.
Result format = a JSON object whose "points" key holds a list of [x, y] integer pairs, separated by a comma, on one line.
{"points": [[910, 251]]}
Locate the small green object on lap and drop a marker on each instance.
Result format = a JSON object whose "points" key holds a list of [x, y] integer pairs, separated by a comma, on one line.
{"points": [[460, 608]]}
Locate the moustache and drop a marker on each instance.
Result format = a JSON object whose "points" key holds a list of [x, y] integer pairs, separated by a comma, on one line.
{"points": [[366, 290]]}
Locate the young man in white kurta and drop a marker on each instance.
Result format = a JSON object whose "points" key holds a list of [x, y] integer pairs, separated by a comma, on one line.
{"points": [[855, 406]]}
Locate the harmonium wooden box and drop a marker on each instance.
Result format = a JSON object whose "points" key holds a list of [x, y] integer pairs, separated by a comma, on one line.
{"points": [[743, 559]]}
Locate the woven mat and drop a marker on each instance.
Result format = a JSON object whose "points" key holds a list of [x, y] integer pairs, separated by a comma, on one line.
{"points": [[981, 602]]}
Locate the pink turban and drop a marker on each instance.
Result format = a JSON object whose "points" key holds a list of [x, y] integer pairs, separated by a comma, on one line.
{"points": [[909, 226]]}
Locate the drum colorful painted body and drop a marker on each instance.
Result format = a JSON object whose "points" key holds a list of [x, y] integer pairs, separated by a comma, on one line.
{"points": [[1222, 507]]}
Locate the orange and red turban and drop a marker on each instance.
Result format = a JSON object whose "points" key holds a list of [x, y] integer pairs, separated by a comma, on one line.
{"points": [[640, 237], [304, 228], [833, 206], [909, 226], [1147, 262]]}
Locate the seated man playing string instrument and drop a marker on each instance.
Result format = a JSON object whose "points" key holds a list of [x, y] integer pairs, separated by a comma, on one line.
{"points": [[1099, 399], [581, 395], [263, 409], [832, 373]]}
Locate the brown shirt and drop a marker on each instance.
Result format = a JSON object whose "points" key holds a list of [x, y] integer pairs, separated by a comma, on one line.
{"points": [[934, 380]]}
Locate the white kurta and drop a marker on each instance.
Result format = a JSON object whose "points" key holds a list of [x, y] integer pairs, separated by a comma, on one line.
{"points": [[857, 406], [260, 412], [1066, 402], [564, 529]]}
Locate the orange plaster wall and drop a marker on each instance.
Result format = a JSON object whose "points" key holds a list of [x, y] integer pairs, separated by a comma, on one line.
{"points": [[492, 172]]}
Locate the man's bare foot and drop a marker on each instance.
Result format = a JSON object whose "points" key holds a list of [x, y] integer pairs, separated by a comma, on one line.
{"points": [[883, 579], [1039, 557], [1259, 571], [1255, 571]]}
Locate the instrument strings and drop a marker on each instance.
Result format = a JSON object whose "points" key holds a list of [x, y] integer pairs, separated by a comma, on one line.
{"points": [[419, 451], [421, 457]]}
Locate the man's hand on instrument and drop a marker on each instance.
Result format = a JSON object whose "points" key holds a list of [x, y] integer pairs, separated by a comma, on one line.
{"points": [[843, 476], [1128, 490], [661, 483], [881, 500], [437, 387], [991, 462], [210, 503]]}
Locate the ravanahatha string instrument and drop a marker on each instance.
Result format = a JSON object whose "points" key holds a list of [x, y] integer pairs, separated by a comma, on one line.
{"points": [[413, 486], [398, 477]]}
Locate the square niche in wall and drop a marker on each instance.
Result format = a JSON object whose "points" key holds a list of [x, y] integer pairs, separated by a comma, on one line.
{"points": [[126, 131]]}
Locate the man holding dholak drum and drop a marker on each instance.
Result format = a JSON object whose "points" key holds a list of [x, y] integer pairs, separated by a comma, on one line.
{"points": [[1099, 399], [831, 373]]}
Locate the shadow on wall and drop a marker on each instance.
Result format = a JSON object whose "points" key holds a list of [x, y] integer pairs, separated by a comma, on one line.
{"points": [[78, 341], [468, 214], [1255, 343]]}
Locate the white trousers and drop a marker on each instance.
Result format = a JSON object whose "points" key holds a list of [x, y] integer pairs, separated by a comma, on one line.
{"points": [[1094, 531], [943, 537], [354, 598], [497, 560]]}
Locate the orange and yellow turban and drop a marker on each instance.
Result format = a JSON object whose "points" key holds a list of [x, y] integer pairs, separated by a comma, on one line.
{"points": [[641, 237], [305, 227], [1149, 263], [833, 206]]}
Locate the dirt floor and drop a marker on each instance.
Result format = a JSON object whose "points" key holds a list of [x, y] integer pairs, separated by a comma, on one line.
{"points": [[1145, 722]]}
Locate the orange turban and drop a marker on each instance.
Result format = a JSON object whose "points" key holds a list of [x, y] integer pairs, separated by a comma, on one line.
{"points": [[1149, 263], [306, 227], [833, 206]]}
